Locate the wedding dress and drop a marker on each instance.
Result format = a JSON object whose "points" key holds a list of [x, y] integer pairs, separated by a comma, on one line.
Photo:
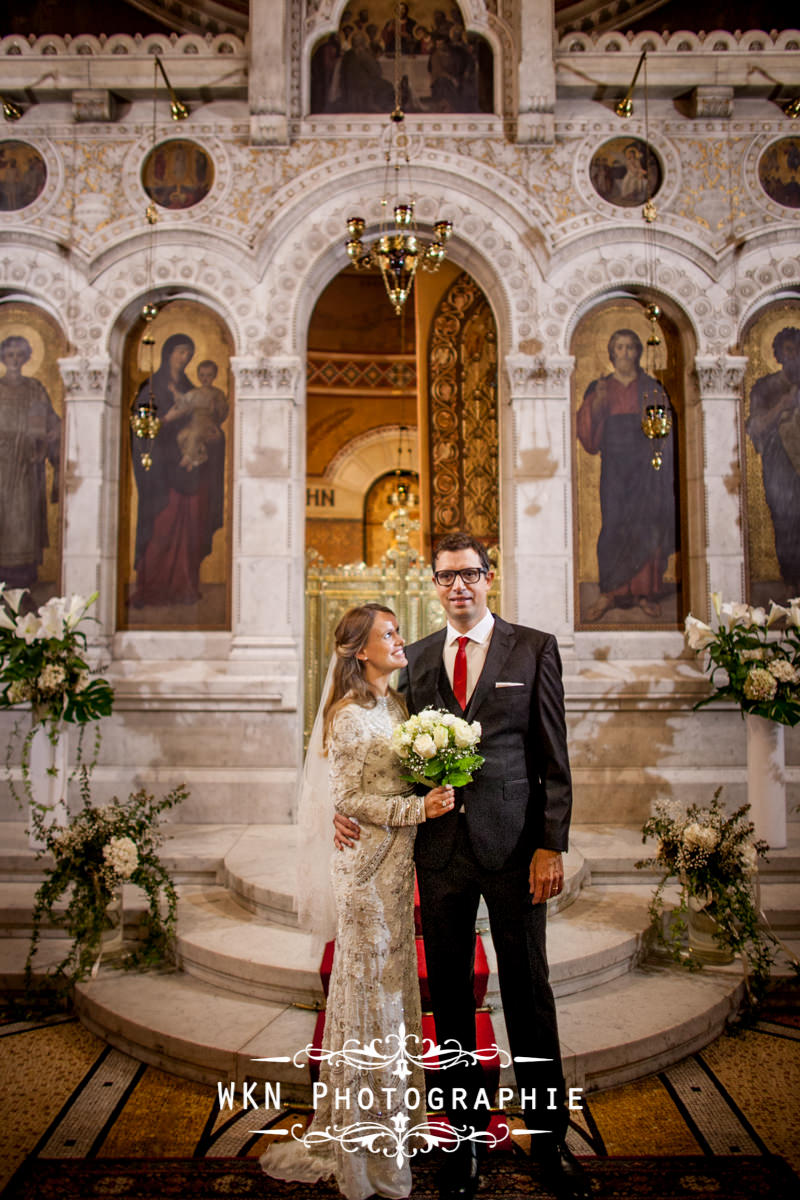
{"points": [[374, 989]]}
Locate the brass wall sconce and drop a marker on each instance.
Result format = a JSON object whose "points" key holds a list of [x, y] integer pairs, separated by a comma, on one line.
{"points": [[10, 110], [624, 107], [791, 108], [177, 108]]}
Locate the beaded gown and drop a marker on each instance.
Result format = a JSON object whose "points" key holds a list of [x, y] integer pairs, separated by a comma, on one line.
{"points": [[374, 988]]}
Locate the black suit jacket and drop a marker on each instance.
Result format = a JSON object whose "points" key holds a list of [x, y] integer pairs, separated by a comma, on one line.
{"points": [[521, 798]]}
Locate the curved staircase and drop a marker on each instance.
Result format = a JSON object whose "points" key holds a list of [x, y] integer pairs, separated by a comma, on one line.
{"points": [[247, 985]]}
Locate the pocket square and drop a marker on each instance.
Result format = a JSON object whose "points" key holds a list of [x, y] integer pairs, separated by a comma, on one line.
{"points": [[501, 683]]}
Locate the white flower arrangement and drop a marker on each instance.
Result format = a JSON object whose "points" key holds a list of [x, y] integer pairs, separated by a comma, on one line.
{"points": [[714, 857], [749, 659], [437, 747]]}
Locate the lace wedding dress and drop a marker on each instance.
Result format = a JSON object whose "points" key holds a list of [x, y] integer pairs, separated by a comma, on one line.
{"points": [[374, 988]]}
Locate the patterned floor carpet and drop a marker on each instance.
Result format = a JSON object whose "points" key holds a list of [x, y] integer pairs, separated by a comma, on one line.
{"points": [[79, 1119]]}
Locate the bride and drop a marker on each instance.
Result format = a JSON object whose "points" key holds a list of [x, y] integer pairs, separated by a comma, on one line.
{"points": [[374, 988]]}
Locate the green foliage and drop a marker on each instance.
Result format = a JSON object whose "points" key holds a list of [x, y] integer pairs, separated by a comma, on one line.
{"points": [[714, 858], [102, 848]]}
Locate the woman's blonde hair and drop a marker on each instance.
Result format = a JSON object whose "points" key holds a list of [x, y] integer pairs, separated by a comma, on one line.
{"points": [[349, 685]]}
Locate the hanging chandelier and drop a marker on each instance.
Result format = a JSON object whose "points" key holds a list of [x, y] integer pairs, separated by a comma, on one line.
{"points": [[399, 251], [656, 417]]}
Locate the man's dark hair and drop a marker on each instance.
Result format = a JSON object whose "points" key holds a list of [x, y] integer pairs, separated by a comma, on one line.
{"points": [[452, 542], [783, 338]]}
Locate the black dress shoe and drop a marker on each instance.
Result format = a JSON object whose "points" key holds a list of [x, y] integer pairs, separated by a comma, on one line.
{"points": [[563, 1174], [459, 1176]]}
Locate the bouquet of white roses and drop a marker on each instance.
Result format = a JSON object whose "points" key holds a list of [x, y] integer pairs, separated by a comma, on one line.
{"points": [[438, 748]]}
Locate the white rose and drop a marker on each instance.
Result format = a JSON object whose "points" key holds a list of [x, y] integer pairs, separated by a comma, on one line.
{"points": [[447, 719], [462, 734], [476, 730], [122, 856], [424, 745], [697, 633], [702, 837], [441, 736], [749, 858]]}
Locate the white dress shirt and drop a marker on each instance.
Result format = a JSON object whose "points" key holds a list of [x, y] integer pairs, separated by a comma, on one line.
{"points": [[477, 648]]}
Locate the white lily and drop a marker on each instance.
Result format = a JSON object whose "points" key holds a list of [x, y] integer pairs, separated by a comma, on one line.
{"points": [[77, 607], [776, 611], [27, 627], [716, 600], [13, 597], [51, 617], [697, 633]]}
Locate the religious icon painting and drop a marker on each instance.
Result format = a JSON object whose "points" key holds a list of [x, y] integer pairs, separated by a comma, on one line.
{"points": [[442, 67], [31, 449], [625, 171], [626, 509], [23, 175], [177, 174], [779, 171], [772, 453], [175, 497]]}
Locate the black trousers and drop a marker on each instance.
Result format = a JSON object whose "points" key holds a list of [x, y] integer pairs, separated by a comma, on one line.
{"points": [[449, 901]]}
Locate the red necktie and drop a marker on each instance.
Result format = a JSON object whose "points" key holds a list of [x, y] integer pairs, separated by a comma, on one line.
{"points": [[460, 673]]}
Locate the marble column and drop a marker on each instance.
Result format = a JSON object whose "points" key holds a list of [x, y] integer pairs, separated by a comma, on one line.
{"points": [[721, 559], [267, 74], [91, 484], [537, 76], [537, 494], [268, 512]]}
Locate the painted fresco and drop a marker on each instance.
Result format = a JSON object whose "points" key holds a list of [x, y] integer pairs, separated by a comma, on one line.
{"points": [[31, 449], [772, 453], [441, 67], [627, 514], [175, 534]]}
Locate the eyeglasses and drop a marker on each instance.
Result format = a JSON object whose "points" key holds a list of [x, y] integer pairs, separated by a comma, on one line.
{"points": [[468, 575]]}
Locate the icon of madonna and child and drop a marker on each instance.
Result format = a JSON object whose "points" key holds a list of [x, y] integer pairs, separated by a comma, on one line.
{"points": [[181, 498]]}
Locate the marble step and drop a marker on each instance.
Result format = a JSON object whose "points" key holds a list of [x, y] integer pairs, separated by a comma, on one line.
{"points": [[259, 871], [611, 852], [618, 1032], [595, 938]]}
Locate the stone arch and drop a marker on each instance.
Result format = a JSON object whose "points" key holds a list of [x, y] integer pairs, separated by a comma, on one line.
{"points": [[305, 248], [367, 457]]}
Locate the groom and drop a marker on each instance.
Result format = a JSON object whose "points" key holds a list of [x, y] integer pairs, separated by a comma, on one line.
{"points": [[503, 841]]}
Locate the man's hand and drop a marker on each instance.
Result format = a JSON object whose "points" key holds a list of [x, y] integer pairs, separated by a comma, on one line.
{"points": [[345, 831], [546, 875]]}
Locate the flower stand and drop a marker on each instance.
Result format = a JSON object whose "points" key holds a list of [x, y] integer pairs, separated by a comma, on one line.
{"points": [[49, 778], [766, 779], [701, 927]]}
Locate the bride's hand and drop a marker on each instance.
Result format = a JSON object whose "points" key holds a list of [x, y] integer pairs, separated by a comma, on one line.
{"points": [[439, 800]]}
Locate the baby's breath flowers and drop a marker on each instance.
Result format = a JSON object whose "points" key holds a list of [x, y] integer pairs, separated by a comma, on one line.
{"points": [[750, 659], [437, 747], [714, 858]]}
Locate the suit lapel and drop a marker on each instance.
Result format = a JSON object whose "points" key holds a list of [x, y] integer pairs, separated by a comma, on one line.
{"points": [[425, 679], [501, 645]]}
